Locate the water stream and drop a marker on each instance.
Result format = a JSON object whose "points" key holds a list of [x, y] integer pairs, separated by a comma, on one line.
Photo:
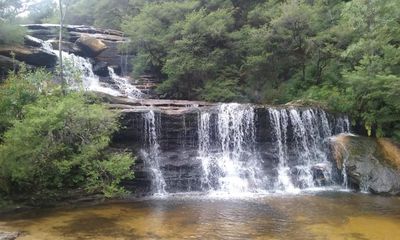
{"points": [[152, 151], [78, 72]]}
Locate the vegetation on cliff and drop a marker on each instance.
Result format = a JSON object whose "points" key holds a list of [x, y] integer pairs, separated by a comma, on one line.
{"points": [[51, 143]]}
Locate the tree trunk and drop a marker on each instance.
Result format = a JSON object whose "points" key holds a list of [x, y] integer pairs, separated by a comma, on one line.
{"points": [[63, 83]]}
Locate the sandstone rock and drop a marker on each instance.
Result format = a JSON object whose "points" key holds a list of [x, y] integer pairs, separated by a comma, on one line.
{"points": [[31, 55], [91, 46], [372, 164]]}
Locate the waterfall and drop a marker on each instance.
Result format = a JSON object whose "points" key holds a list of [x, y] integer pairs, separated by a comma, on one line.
{"points": [[151, 154], [342, 125], [229, 160], [78, 73], [124, 87], [310, 128], [242, 149], [279, 121]]}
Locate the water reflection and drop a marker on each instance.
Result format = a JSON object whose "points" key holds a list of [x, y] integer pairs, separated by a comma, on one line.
{"points": [[318, 216]]}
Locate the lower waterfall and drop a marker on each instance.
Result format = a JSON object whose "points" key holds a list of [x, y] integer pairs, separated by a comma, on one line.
{"points": [[243, 148], [152, 150], [227, 150], [280, 121]]}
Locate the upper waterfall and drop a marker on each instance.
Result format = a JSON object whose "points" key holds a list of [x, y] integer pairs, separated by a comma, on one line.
{"points": [[79, 74]]}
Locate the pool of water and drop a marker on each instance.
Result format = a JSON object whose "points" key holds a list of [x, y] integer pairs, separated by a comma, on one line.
{"points": [[326, 215]]}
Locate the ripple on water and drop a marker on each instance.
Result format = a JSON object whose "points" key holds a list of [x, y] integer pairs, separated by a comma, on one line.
{"points": [[322, 215]]}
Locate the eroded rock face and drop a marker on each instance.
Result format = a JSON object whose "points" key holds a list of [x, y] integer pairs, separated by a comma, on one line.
{"points": [[371, 164], [31, 55]]}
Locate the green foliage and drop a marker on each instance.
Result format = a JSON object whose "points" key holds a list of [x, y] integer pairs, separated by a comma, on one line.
{"points": [[19, 90], [40, 12], [9, 9], [55, 143], [11, 33], [344, 54], [223, 89]]}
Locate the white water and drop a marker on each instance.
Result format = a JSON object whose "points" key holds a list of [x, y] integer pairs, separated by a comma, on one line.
{"points": [[232, 165], [78, 72], [152, 152], [229, 161], [279, 119], [125, 88]]}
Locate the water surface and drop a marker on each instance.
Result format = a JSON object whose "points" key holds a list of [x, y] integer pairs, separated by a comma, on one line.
{"points": [[327, 215]]}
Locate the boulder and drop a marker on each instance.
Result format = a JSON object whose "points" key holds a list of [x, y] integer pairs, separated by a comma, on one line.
{"points": [[31, 55], [371, 164], [91, 46]]}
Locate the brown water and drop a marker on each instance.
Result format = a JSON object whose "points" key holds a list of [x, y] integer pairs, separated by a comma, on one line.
{"points": [[314, 216]]}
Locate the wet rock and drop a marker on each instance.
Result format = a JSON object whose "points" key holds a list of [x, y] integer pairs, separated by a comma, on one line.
{"points": [[32, 41], [31, 55], [91, 46], [371, 164], [319, 174], [7, 64], [9, 235], [85, 41], [101, 69], [66, 47]]}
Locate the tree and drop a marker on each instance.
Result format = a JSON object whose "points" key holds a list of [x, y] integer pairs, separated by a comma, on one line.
{"points": [[10, 33], [52, 143]]}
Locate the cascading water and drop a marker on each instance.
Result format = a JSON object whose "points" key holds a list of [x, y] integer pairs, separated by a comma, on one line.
{"points": [[310, 128], [124, 87], [342, 125], [279, 121], [229, 161], [151, 154], [78, 72]]}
